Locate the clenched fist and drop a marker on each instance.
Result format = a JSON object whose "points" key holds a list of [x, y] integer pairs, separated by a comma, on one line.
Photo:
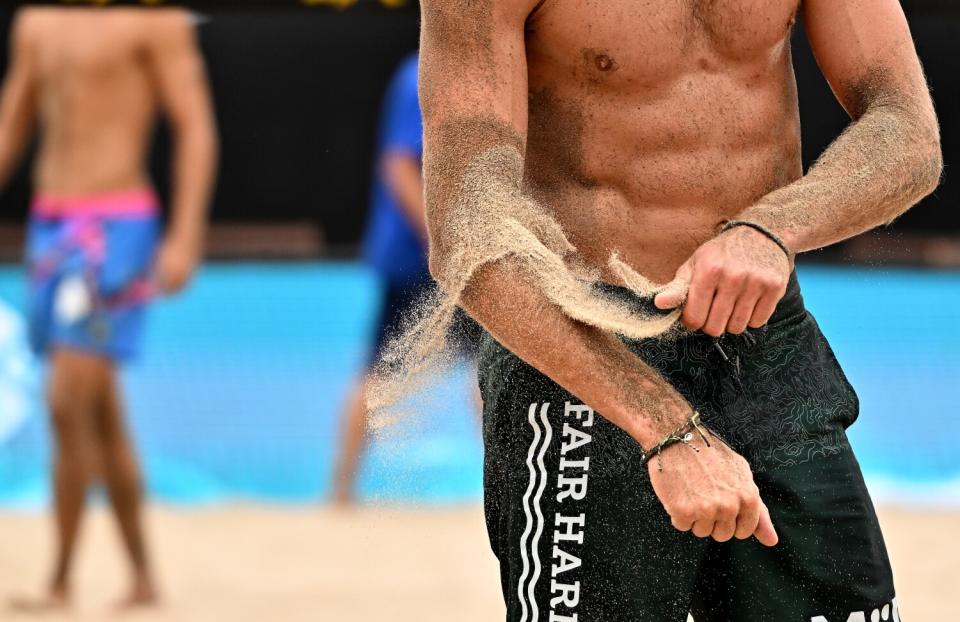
{"points": [[732, 281], [711, 493]]}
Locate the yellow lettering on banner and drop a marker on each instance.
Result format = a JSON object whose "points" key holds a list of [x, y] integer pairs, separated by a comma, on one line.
{"points": [[337, 4]]}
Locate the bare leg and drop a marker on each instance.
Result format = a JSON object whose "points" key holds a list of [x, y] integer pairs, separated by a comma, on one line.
{"points": [[72, 399], [352, 439], [122, 478]]}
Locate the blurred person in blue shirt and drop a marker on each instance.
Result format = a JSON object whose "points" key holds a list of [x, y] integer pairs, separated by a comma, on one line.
{"points": [[395, 242], [394, 245]]}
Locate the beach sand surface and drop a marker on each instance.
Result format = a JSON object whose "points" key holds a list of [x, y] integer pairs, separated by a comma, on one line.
{"points": [[277, 564]]}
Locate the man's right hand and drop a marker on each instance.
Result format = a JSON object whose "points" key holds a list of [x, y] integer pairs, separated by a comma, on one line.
{"points": [[711, 492], [176, 262]]}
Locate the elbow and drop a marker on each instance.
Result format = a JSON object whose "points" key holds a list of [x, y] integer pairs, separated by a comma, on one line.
{"points": [[930, 163], [936, 167], [929, 170], [438, 252], [922, 164], [920, 179], [445, 261], [435, 261]]}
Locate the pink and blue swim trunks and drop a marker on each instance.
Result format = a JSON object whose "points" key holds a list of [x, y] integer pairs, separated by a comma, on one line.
{"points": [[89, 260]]}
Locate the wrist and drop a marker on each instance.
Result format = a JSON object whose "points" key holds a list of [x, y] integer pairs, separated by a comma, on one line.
{"points": [[648, 427], [765, 215], [760, 232], [687, 434], [186, 237]]}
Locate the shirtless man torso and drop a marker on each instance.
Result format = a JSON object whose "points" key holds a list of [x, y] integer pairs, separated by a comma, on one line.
{"points": [[668, 133], [94, 81]]}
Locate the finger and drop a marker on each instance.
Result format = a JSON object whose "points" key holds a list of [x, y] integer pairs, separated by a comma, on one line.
{"points": [[723, 302], [743, 310], [748, 519], [699, 300], [765, 531], [672, 296], [703, 528], [675, 292], [682, 524], [723, 530], [764, 309]]}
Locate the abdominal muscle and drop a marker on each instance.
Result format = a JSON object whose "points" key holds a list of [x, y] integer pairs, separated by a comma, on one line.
{"points": [[95, 136], [651, 173]]}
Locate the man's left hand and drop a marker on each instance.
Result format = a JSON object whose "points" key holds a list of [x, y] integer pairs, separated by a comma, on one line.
{"points": [[175, 264], [732, 281]]}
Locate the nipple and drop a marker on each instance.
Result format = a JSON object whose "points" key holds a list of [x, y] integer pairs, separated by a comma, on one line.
{"points": [[604, 62], [600, 59]]}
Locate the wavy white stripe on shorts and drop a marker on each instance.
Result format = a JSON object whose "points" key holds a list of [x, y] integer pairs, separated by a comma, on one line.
{"points": [[535, 547], [531, 417]]}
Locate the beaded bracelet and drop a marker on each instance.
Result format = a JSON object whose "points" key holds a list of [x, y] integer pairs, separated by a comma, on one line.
{"points": [[683, 434]]}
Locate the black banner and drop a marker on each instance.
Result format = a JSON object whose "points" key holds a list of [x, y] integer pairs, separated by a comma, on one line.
{"points": [[298, 95], [909, 5], [218, 5]]}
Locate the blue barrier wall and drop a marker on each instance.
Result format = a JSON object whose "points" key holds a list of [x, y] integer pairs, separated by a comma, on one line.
{"points": [[238, 392]]}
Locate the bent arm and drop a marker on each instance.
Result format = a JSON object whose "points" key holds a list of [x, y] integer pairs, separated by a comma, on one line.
{"points": [[185, 95], [17, 101], [889, 157], [473, 90]]}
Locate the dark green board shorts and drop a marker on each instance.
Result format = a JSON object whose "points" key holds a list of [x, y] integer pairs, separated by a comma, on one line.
{"points": [[581, 536]]}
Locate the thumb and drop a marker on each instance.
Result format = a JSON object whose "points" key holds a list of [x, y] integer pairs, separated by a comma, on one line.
{"points": [[765, 532], [675, 292]]}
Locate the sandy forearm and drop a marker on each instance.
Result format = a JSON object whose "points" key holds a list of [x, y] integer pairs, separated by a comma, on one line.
{"points": [[498, 253], [503, 257], [590, 363], [882, 165]]}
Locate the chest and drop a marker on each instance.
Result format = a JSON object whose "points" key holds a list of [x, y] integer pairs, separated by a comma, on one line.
{"points": [[644, 38]]}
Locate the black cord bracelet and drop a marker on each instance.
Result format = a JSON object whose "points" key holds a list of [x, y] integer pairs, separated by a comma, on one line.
{"points": [[732, 224]]}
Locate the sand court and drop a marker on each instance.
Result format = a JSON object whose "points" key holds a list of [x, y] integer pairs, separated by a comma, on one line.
{"points": [[271, 563]]}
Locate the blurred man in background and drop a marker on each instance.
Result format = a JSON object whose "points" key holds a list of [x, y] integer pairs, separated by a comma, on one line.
{"points": [[394, 246], [93, 79]]}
